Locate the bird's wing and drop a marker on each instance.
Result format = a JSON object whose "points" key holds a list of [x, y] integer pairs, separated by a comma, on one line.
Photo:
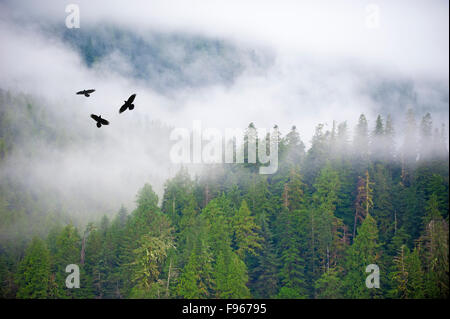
{"points": [[123, 108], [80, 92], [131, 98], [95, 117], [90, 91], [104, 122]]}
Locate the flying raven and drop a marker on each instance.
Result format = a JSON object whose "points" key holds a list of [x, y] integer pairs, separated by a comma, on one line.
{"points": [[128, 104], [86, 93], [99, 120]]}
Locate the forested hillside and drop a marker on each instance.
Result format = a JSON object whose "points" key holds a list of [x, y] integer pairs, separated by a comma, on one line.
{"points": [[377, 194]]}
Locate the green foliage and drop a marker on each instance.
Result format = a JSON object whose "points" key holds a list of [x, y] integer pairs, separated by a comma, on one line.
{"points": [[239, 234], [364, 251], [408, 275], [149, 257], [196, 278], [264, 281], [246, 235], [33, 274], [230, 275], [329, 285], [325, 198], [435, 253], [293, 246]]}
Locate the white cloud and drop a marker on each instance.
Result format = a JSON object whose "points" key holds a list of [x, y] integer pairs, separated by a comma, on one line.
{"points": [[415, 29], [325, 61]]}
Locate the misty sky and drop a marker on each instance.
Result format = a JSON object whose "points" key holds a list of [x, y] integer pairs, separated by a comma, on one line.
{"points": [[225, 63]]}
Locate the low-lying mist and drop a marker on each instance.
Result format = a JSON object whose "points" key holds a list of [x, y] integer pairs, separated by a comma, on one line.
{"points": [[178, 77]]}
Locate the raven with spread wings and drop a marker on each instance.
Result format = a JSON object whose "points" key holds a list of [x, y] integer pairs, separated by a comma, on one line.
{"points": [[86, 93], [99, 120], [128, 104]]}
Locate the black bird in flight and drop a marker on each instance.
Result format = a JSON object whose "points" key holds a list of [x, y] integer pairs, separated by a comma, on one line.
{"points": [[99, 120], [86, 93], [128, 104]]}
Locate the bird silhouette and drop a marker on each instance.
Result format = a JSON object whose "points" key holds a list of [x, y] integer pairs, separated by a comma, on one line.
{"points": [[99, 120], [128, 104], [86, 93]]}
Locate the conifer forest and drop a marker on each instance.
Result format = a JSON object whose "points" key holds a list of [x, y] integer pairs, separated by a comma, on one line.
{"points": [[359, 121]]}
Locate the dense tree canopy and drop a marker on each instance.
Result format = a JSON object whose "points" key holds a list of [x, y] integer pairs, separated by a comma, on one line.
{"points": [[307, 231]]}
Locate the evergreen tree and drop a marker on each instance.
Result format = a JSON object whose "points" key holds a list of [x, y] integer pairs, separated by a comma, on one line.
{"points": [[409, 147], [294, 191], [361, 144], [177, 195], [295, 148], [230, 275], [266, 271], [383, 200], [240, 234], [149, 258], [363, 202], [317, 155], [408, 275], [389, 140], [364, 251], [196, 279], [292, 246], [426, 137], [68, 251], [251, 148], [329, 285], [33, 274], [342, 141], [415, 275], [377, 143], [188, 286], [247, 239], [401, 274], [325, 199], [435, 252]]}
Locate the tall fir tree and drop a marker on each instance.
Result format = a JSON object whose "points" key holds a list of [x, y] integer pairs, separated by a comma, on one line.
{"points": [[33, 274], [364, 251]]}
